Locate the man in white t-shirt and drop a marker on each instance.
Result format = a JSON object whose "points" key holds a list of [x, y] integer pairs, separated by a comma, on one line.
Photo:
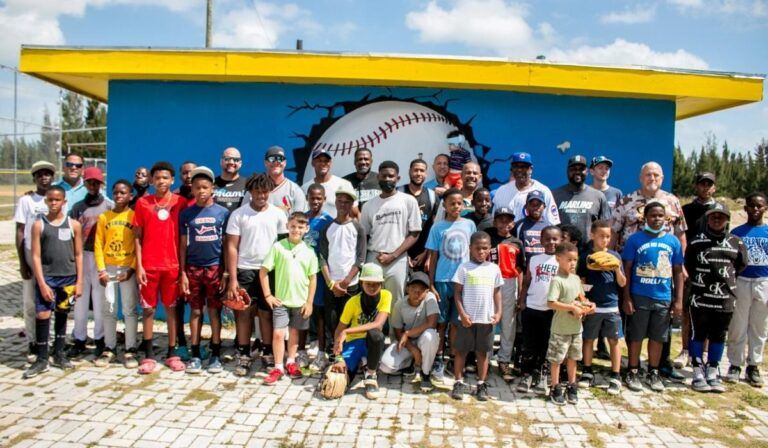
{"points": [[392, 222], [513, 194], [29, 207], [287, 194], [322, 162]]}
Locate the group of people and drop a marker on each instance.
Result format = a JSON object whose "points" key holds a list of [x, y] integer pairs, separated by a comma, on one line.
{"points": [[417, 279]]}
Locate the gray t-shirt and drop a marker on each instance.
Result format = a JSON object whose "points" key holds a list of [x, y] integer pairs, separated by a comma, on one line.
{"points": [[387, 221], [581, 207], [405, 316], [613, 195], [289, 197]]}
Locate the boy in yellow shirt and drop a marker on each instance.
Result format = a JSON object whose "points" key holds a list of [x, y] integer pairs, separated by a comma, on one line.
{"points": [[115, 256]]}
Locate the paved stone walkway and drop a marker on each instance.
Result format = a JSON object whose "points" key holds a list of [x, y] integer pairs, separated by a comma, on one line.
{"points": [[116, 407]]}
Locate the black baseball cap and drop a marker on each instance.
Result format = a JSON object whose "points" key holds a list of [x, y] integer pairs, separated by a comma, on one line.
{"points": [[577, 160], [275, 151], [719, 207], [701, 177], [535, 194], [420, 277], [503, 211], [321, 152], [600, 159]]}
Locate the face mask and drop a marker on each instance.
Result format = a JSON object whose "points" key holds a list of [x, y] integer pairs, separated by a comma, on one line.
{"points": [[649, 229], [387, 186]]}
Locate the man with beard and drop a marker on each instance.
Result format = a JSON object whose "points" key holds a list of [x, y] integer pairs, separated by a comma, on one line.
{"points": [[427, 200], [287, 194], [514, 193], [364, 181], [140, 184], [577, 203], [322, 162], [29, 207], [185, 190], [392, 222], [600, 170], [229, 186], [471, 179]]}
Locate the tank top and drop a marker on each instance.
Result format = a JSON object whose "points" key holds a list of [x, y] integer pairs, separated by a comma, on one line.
{"points": [[57, 249]]}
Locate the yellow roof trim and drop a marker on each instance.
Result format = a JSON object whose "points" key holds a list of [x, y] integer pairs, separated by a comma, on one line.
{"points": [[89, 70]]}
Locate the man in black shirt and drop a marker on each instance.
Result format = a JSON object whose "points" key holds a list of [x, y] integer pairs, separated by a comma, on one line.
{"points": [[363, 180], [229, 186], [428, 201]]}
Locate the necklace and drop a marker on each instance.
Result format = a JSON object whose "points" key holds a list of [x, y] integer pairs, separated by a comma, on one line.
{"points": [[161, 210]]}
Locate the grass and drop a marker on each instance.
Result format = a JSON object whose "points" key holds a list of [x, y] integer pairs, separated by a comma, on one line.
{"points": [[82, 383], [285, 443], [199, 395], [20, 437], [595, 429]]}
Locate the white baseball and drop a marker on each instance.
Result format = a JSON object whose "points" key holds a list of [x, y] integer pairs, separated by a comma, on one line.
{"points": [[392, 130]]}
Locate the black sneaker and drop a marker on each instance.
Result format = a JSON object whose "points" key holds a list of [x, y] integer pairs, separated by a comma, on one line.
{"points": [[633, 381], [572, 393], [753, 376], [100, 347], [38, 367], [62, 362], [671, 374], [524, 386], [426, 383], [733, 375], [482, 392], [459, 389], [77, 350], [654, 381], [408, 371], [243, 365], [556, 395]]}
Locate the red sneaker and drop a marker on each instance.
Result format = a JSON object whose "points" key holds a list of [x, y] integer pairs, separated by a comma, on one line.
{"points": [[274, 376], [293, 371]]}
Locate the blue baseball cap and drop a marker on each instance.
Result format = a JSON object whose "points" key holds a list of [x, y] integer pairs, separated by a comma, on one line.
{"points": [[600, 159], [535, 194], [522, 157]]}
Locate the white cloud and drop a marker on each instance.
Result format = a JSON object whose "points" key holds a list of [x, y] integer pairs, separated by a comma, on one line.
{"points": [[496, 25], [745, 8], [624, 52], [261, 25], [687, 3], [638, 14]]}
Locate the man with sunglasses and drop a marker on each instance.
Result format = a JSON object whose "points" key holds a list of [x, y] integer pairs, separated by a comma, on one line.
{"points": [[72, 180], [287, 194], [229, 186]]}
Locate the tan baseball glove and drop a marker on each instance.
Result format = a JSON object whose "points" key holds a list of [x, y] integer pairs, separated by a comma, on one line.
{"points": [[334, 382], [602, 261]]}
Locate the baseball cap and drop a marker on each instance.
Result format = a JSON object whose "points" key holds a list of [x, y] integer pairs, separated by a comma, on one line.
{"points": [[321, 152], [522, 157], [719, 207], [203, 171], [93, 173], [535, 194], [42, 165], [503, 211], [600, 159], [701, 177], [577, 160], [275, 151], [418, 276], [348, 191], [371, 272]]}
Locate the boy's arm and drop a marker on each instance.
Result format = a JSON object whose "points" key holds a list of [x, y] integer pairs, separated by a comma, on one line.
{"points": [[496, 305], [621, 279], [141, 276], [24, 269], [415, 332], [360, 251], [78, 232], [232, 243], [307, 308], [338, 338], [183, 280], [431, 272], [523, 291], [458, 288], [377, 324], [37, 264], [98, 244], [271, 300], [679, 281], [629, 308]]}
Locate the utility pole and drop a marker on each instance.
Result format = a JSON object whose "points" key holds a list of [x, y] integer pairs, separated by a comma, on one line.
{"points": [[15, 134], [208, 23]]}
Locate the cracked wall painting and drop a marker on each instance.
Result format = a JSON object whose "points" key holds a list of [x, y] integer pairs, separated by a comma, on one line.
{"points": [[177, 121]]}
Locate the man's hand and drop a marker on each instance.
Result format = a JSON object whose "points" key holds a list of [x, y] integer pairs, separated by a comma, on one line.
{"points": [[496, 318], [338, 290], [232, 288], [272, 301], [338, 345], [629, 307], [184, 283], [103, 278], [385, 259], [677, 308], [141, 276], [419, 260], [466, 322], [78, 289], [46, 293], [520, 305], [306, 310], [125, 275]]}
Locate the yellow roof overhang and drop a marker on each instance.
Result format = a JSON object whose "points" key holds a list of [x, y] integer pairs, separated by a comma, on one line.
{"points": [[89, 70]]}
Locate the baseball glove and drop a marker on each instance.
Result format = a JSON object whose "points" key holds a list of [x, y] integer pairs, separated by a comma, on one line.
{"points": [[602, 261], [240, 302], [334, 382]]}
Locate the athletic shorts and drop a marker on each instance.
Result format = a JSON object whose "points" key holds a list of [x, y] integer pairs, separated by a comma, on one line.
{"points": [[651, 320], [448, 311], [564, 346], [604, 325], [248, 279], [707, 324], [204, 285], [166, 283], [283, 317], [57, 285], [475, 338]]}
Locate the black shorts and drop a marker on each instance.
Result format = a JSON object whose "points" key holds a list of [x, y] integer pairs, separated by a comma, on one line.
{"points": [[475, 338], [709, 324], [651, 320], [248, 279]]}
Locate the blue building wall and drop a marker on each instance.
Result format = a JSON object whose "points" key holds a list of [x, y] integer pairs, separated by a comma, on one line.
{"points": [[176, 121]]}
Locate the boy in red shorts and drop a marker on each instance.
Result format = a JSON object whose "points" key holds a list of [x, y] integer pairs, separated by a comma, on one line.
{"points": [[201, 229], [156, 230]]}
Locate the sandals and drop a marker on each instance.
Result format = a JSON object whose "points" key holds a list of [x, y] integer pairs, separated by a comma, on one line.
{"points": [[147, 366], [175, 363]]}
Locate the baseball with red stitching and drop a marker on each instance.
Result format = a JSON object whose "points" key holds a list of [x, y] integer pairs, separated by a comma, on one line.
{"points": [[392, 130]]}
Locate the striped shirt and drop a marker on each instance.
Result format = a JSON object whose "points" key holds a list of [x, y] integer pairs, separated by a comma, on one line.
{"points": [[479, 281]]}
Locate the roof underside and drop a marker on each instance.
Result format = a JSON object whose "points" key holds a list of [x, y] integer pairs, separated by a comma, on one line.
{"points": [[89, 70]]}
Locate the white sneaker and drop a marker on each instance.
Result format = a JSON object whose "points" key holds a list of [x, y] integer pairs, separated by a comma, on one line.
{"points": [[313, 349], [319, 363], [438, 372], [682, 360]]}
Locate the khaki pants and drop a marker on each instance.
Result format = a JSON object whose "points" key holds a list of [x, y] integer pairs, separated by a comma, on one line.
{"points": [[749, 325]]}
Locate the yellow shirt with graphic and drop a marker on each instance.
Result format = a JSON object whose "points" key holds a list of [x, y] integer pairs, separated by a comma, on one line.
{"points": [[114, 242], [353, 313]]}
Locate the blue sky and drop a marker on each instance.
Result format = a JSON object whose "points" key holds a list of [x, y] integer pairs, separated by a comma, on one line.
{"points": [[727, 35]]}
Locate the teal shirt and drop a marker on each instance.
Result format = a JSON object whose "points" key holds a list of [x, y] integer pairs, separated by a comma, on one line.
{"points": [[294, 265]]}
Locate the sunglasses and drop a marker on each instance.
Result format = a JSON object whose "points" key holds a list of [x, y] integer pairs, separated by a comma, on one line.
{"points": [[275, 159], [232, 159], [73, 165]]}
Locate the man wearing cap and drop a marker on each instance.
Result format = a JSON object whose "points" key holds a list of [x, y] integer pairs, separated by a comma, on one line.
{"points": [[287, 194], [514, 193], [600, 170], [87, 212], [428, 204], [72, 180], [229, 186], [28, 208], [364, 180], [322, 162], [714, 258], [579, 204]]}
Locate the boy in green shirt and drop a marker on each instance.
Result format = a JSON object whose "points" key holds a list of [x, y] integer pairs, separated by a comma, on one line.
{"points": [[566, 297], [295, 265]]}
